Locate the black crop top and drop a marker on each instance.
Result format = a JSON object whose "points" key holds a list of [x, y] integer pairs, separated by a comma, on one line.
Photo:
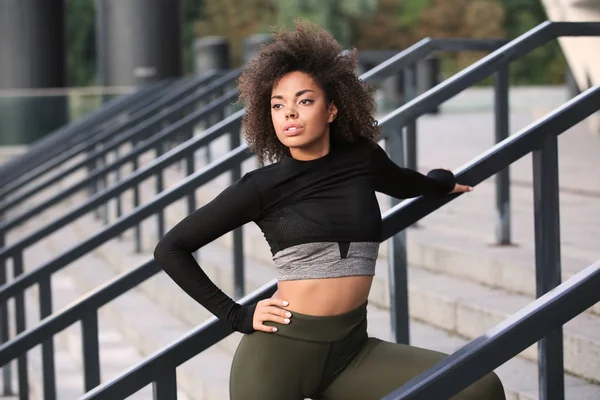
{"points": [[329, 199]]}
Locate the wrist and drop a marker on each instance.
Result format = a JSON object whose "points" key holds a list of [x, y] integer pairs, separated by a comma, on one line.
{"points": [[243, 319], [444, 176]]}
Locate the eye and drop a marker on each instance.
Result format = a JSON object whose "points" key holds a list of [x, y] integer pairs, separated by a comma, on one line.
{"points": [[306, 101], [276, 106]]}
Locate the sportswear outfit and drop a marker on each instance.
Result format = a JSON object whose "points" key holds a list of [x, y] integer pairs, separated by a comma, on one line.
{"points": [[321, 219]]}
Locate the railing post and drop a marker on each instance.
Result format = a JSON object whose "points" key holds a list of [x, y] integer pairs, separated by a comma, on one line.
{"points": [[547, 262], [165, 388], [91, 357], [397, 258], [501, 114], [136, 201], [105, 183], [49, 371], [410, 92], [20, 325], [238, 238], [160, 186], [119, 200], [190, 164], [6, 370]]}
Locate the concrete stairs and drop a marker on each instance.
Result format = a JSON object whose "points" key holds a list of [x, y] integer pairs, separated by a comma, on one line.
{"points": [[459, 286]]}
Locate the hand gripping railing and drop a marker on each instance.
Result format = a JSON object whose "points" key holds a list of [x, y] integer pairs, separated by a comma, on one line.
{"points": [[550, 312], [54, 143]]}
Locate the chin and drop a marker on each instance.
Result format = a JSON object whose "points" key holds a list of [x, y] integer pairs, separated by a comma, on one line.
{"points": [[294, 141]]}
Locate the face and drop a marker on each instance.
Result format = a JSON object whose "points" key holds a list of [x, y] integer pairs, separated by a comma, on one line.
{"points": [[301, 115]]}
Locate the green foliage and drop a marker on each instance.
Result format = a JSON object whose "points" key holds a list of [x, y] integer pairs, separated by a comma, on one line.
{"points": [[192, 11], [411, 12], [332, 15], [81, 44], [544, 65]]}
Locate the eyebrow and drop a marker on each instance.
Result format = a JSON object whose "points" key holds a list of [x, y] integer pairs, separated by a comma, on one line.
{"points": [[300, 93]]}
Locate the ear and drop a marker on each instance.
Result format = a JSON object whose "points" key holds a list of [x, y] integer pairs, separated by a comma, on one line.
{"points": [[332, 112]]}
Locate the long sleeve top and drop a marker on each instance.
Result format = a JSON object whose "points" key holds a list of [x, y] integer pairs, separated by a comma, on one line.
{"points": [[329, 199]]}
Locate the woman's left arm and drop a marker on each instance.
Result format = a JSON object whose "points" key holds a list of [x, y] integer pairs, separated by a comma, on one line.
{"points": [[403, 183]]}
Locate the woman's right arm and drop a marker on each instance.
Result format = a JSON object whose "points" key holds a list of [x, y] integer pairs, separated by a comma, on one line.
{"points": [[234, 207]]}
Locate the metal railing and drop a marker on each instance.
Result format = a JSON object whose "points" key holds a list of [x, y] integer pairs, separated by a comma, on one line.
{"points": [[401, 116], [492, 64], [145, 142], [52, 145], [144, 122], [451, 375]]}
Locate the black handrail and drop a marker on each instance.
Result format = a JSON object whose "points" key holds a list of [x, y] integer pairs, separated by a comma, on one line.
{"points": [[160, 364], [185, 123], [148, 118], [489, 64], [152, 168], [505, 340], [50, 145]]}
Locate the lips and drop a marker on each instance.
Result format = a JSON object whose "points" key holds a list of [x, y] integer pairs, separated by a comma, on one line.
{"points": [[292, 129]]}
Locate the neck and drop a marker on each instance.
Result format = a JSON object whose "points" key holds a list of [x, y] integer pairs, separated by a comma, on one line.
{"points": [[312, 151]]}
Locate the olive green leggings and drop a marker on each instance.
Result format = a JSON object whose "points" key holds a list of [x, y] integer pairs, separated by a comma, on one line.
{"points": [[332, 358]]}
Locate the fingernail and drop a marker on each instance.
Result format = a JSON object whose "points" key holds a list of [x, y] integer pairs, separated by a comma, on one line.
{"points": [[287, 321], [288, 314], [285, 303], [274, 329]]}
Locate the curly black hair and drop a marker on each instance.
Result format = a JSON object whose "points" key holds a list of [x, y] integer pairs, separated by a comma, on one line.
{"points": [[314, 51]]}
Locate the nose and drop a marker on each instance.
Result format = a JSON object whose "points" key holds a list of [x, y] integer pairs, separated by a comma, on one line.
{"points": [[291, 113]]}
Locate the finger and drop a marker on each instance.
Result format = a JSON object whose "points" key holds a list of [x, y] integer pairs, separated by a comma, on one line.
{"points": [[462, 188], [265, 328], [276, 311], [274, 314], [275, 302]]}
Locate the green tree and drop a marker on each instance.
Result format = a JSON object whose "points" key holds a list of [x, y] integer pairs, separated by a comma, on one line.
{"points": [[192, 12], [81, 42], [224, 18], [385, 28], [544, 65], [334, 16]]}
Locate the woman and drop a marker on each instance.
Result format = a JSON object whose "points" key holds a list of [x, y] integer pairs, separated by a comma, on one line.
{"points": [[309, 114]]}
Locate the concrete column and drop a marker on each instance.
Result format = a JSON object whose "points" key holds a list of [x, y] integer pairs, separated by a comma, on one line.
{"points": [[428, 77], [252, 44], [139, 41], [32, 54], [211, 53]]}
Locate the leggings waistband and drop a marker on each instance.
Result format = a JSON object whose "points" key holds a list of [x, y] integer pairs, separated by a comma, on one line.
{"points": [[316, 328]]}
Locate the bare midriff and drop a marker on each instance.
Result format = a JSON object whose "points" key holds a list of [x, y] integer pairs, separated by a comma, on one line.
{"points": [[324, 297]]}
